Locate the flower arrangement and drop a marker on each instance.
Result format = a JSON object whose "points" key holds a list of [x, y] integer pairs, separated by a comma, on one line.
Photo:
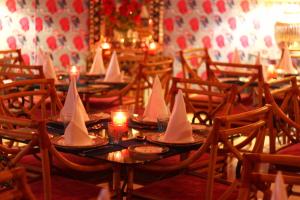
{"points": [[122, 15]]}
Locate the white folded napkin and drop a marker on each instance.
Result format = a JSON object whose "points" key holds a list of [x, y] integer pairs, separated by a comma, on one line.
{"points": [[39, 57], [48, 68], [71, 103], [76, 132], [236, 57], [179, 129], [279, 190], [156, 106], [104, 194], [285, 63], [97, 66], [113, 73]]}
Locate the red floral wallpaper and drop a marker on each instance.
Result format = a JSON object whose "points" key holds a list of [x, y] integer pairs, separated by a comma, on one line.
{"points": [[57, 26], [221, 26]]}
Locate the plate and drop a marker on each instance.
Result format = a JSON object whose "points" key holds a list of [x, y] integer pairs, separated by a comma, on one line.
{"points": [[94, 118], [60, 142], [157, 138], [139, 120], [147, 149]]}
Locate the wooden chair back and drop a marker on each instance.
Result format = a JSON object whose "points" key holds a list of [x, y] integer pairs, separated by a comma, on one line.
{"points": [[192, 60], [254, 179], [285, 105], [218, 142], [148, 70], [20, 71], [11, 56], [14, 185], [246, 76], [205, 99], [33, 99]]}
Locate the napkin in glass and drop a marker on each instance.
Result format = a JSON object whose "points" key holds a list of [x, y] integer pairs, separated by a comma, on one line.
{"points": [[72, 103], [179, 129], [156, 106], [285, 62], [279, 190], [113, 73], [48, 67], [97, 66], [76, 132]]}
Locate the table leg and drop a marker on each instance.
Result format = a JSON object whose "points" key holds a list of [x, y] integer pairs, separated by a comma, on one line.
{"points": [[129, 182], [117, 181]]}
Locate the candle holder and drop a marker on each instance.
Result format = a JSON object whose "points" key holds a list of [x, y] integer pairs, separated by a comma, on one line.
{"points": [[119, 117]]}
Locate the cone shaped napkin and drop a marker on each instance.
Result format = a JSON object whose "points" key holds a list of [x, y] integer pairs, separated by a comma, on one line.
{"points": [[179, 129], [279, 191], [104, 194], [97, 66], [286, 62], [39, 57], [156, 106], [72, 103], [236, 57], [113, 73], [76, 132], [48, 68]]}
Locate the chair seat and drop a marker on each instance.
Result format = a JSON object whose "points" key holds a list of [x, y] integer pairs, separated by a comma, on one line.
{"points": [[67, 189], [293, 149], [181, 187]]}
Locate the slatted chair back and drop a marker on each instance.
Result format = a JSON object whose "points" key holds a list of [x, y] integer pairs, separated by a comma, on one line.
{"points": [[249, 78], [20, 71], [205, 99], [254, 179], [285, 104], [33, 99], [148, 70], [192, 60], [14, 185], [218, 142], [11, 56]]}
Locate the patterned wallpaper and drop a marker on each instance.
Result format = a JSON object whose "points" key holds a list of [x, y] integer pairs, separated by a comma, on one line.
{"points": [[222, 26], [57, 26], [61, 27]]}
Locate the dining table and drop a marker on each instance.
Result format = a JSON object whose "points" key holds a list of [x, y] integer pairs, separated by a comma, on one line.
{"points": [[122, 155]]}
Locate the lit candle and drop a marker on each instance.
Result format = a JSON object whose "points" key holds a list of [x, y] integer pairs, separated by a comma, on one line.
{"points": [[73, 70], [105, 45], [119, 118]]}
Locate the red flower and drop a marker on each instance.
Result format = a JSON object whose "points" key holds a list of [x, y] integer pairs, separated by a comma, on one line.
{"points": [[64, 60], [181, 5], [221, 6], [51, 41], [51, 5], [207, 7], [26, 59], [38, 24], [11, 5], [244, 41], [232, 23], [194, 23], [268, 41], [24, 22], [64, 24], [245, 6], [11, 42], [169, 25], [220, 41], [78, 42], [78, 6], [181, 42], [206, 42]]}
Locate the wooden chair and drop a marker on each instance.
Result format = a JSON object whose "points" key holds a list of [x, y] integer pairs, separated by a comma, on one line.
{"points": [[205, 99], [20, 71], [33, 99], [13, 56], [189, 186], [192, 60], [14, 185], [156, 66], [248, 78], [254, 179], [35, 138], [286, 115]]}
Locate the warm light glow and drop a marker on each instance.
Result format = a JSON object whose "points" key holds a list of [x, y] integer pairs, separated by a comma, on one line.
{"points": [[152, 46], [73, 70], [272, 73], [119, 118], [105, 45]]}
